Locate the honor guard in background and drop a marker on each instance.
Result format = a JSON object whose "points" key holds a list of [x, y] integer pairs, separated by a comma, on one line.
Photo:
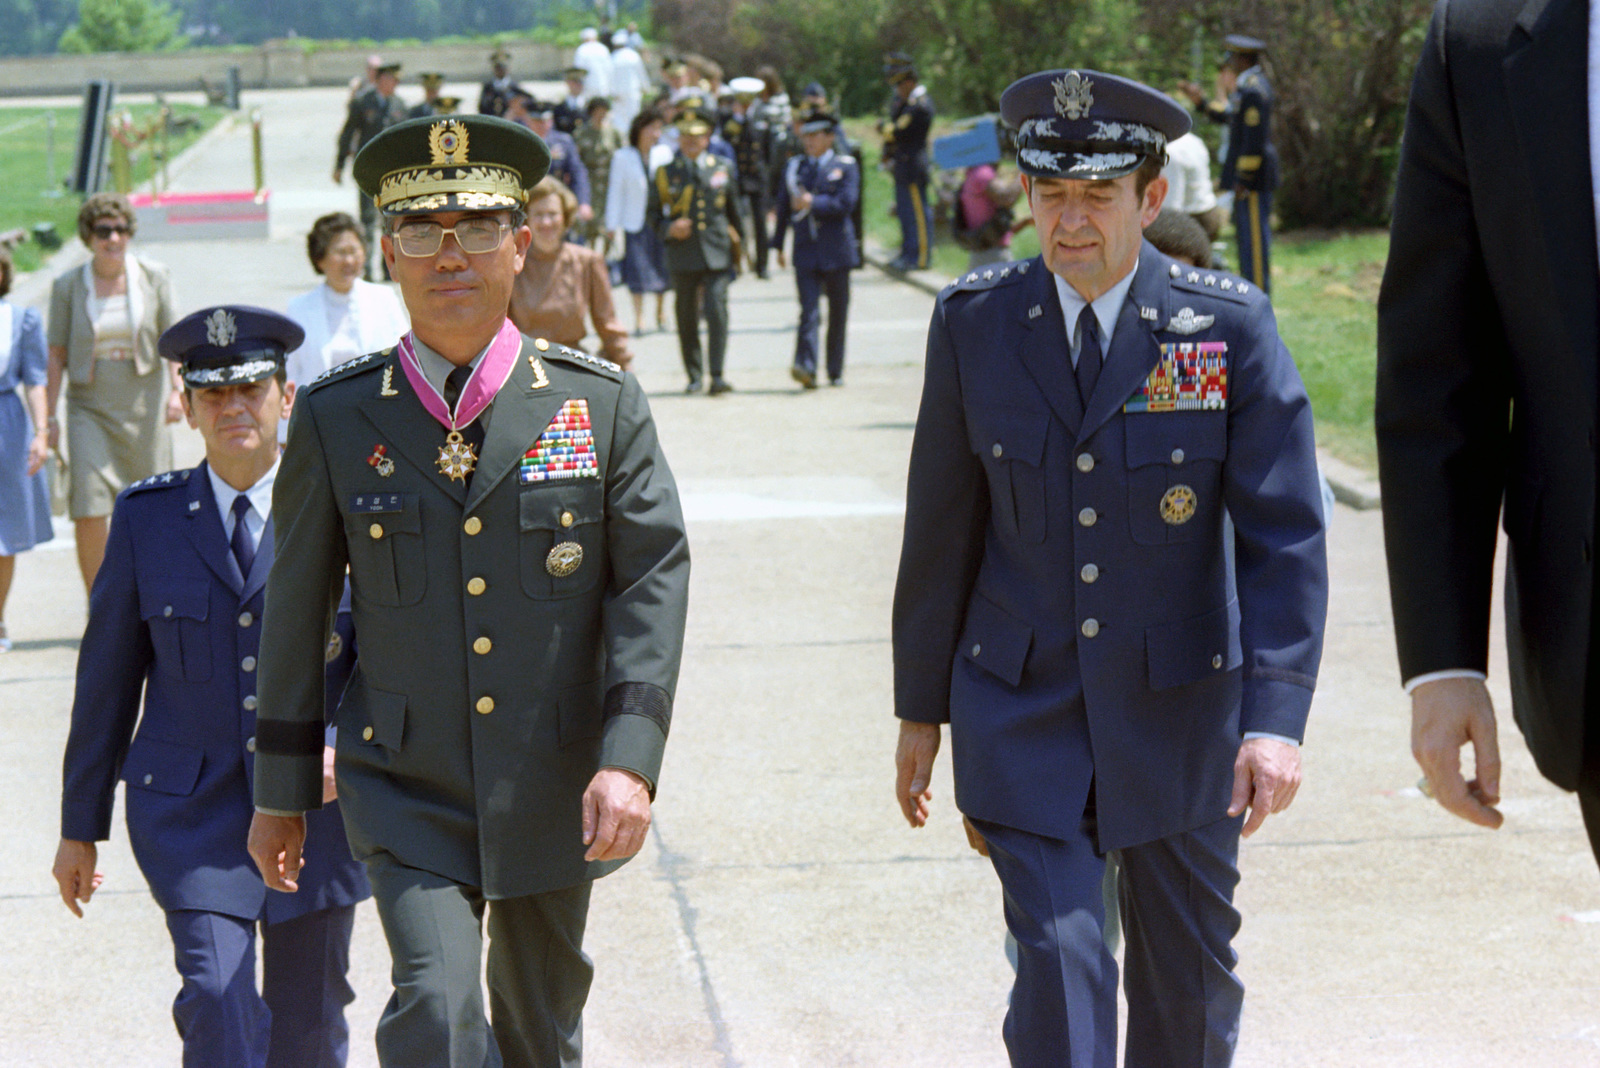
{"points": [[752, 139], [518, 579], [568, 114], [822, 187], [598, 141], [495, 97], [175, 618], [1113, 586], [694, 204], [566, 163], [431, 84], [371, 111], [1250, 162], [905, 153]]}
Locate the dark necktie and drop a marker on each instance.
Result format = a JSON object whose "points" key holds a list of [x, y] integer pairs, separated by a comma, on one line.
{"points": [[453, 387], [1089, 356], [244, 551]]}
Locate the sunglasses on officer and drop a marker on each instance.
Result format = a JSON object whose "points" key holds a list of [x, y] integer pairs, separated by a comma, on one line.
{"points": [[106, 231], [424, 237]]}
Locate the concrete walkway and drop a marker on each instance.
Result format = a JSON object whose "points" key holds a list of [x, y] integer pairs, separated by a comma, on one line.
{"points": [[782, 913]]}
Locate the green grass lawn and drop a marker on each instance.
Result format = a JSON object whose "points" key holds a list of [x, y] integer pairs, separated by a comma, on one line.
{"points": [[1325, 291], [24, 167]]}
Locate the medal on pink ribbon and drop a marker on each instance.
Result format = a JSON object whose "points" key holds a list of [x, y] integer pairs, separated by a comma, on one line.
{"points": [[457, 457]]}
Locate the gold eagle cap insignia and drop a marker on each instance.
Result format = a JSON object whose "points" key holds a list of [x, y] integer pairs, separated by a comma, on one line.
{"points": [[221, 328], [447, 143], [1074, 95]]}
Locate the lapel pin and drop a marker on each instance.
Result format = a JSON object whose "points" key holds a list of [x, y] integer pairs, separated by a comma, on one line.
{"points": [[388, 389], [380, 461], [1035, 311], [1149, 315], [194, 506], [540, 379]]}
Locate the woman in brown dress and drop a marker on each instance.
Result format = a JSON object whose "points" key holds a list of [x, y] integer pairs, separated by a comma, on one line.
{"points": [[105, 318], [562, 284]]}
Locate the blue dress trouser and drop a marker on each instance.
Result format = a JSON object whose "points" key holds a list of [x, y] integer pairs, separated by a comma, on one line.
{"points": [[1252, 228], [1178, 919], [812, 285], [911, 207], [296, 1021]]}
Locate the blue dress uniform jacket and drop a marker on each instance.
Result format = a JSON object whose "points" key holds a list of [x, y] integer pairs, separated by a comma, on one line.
{"points": [[567, 165], [1252, 161], [170, 617], [825, 237], [1045, 608]]}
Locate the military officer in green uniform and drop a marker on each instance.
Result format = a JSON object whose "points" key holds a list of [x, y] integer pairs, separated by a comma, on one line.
{"points": [[518, 574], [373, 110], [694, 204]]}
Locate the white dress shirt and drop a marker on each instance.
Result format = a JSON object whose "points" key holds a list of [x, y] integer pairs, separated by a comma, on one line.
{"points": [[255, 520]]}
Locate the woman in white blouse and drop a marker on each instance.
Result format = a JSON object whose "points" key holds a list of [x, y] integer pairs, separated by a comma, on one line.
{"points": [[644, 258], [344, 317]]}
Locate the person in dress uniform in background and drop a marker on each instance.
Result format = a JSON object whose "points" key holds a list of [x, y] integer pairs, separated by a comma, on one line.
{"points": [[495, 96], [751, 136], [1113, 586], [518, 582], [694, 204], [432, 82], [823, 187], [568, 111], [566, 162], [905, 155], [175, 616], [372, 111]]}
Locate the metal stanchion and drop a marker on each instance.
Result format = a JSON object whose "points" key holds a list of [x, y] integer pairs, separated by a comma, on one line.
{"points": [[255, 148], [52, 188]]}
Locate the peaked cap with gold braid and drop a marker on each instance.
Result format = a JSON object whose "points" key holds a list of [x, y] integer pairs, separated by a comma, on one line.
{"points": [[451, 163]]}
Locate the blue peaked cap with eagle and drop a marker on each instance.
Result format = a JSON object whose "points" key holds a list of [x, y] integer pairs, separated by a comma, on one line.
{"points": [[1087, 125], [229, 345]]}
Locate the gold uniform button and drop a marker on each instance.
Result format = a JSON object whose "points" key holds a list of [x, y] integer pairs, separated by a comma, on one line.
{"points": [[476, 586], [245, 619], [1087, 517], [1089, 573], [1085, 462], [566, 519], [366, 734], [482, 646], [472, 525], [485, 705], [541, 344], [376, 530], [1091, 627]]}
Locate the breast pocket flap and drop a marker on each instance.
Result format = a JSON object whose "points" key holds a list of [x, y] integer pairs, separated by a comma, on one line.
{"points": [[386, 714], [562, 510], [1176, 438], [995, 640], [1188, 650], [164, 767]]}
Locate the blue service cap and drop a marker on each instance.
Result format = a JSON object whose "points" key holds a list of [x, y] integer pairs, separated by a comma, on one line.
{"points": [[230, 345], [1249, 46], [818, 119], [1086, 125], [813, 89], [897, 65]]}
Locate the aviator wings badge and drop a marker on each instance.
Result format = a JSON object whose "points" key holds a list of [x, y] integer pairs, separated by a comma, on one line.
{"points": [[1185, 321]]}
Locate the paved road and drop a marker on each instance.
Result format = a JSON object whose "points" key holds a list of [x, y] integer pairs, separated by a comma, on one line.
{"points": [[782, 914]]}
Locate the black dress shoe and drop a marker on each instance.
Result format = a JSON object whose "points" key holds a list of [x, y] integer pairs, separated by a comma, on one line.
{"points": [[720, 385], [693, 386], [804, 377], [835, 381]]}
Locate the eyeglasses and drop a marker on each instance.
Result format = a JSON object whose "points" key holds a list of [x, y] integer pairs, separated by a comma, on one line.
{"points": [[423, 238], [105, 233]]}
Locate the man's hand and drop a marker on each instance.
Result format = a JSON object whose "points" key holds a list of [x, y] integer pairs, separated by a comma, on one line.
{"points": [[974, 839], [338, 176], [75, 874], [801, 202], [585, 212], [1266, 775], [275, 843], [1446, 714], [680, 229], [913, 769], [1195, 94], [330, 791], [616, 814]]}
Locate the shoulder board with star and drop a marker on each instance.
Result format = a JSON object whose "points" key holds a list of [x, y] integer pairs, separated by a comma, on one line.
{"points": [[990, 277], [164, 480], [843, 159], [1214, 283], [582, 360], [1251, 79], [348, 368]]}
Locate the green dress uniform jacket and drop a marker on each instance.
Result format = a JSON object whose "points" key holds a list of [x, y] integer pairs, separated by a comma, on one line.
{"points": [[492, 683], [705, 191], [370, 114]]}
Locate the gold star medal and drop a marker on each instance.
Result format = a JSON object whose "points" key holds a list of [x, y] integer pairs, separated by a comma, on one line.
{"points": [[1177, 506], [457, 457]]}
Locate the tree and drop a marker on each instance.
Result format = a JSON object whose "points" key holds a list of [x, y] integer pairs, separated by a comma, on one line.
{"points": [[123, 26]]}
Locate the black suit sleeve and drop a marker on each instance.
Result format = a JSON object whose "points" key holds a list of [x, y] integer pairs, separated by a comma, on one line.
{"points": [[1443, 392], [947, 512]]}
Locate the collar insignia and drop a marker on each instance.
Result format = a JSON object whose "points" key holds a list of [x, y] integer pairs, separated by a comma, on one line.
{"points": [[1187, 322], [447, 143], [1149, 315], [220, 328], [1074, 96], [1035, 311]]}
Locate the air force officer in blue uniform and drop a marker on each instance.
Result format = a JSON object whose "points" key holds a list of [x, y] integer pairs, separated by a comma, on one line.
{"points": [[175, 615], [822, 189], [1113, 586]]}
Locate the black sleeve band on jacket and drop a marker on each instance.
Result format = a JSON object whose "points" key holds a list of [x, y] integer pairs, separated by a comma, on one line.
{"points": [[282, 738], [640, 699]]}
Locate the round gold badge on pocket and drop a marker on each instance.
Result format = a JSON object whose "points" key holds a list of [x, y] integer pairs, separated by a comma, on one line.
{"points": [[335, 647], [1177, 505], [564, 559]]}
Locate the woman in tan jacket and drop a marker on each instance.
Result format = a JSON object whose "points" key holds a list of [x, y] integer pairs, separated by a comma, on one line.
{"points": [[562, 283], [105, 318]]}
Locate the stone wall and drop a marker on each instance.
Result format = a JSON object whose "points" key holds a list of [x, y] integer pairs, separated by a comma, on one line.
{"points": [[275, 65]]}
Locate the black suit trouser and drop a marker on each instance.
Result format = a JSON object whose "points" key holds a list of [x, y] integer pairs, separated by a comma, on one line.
{"points": [[756, 205], [687, 288]]}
